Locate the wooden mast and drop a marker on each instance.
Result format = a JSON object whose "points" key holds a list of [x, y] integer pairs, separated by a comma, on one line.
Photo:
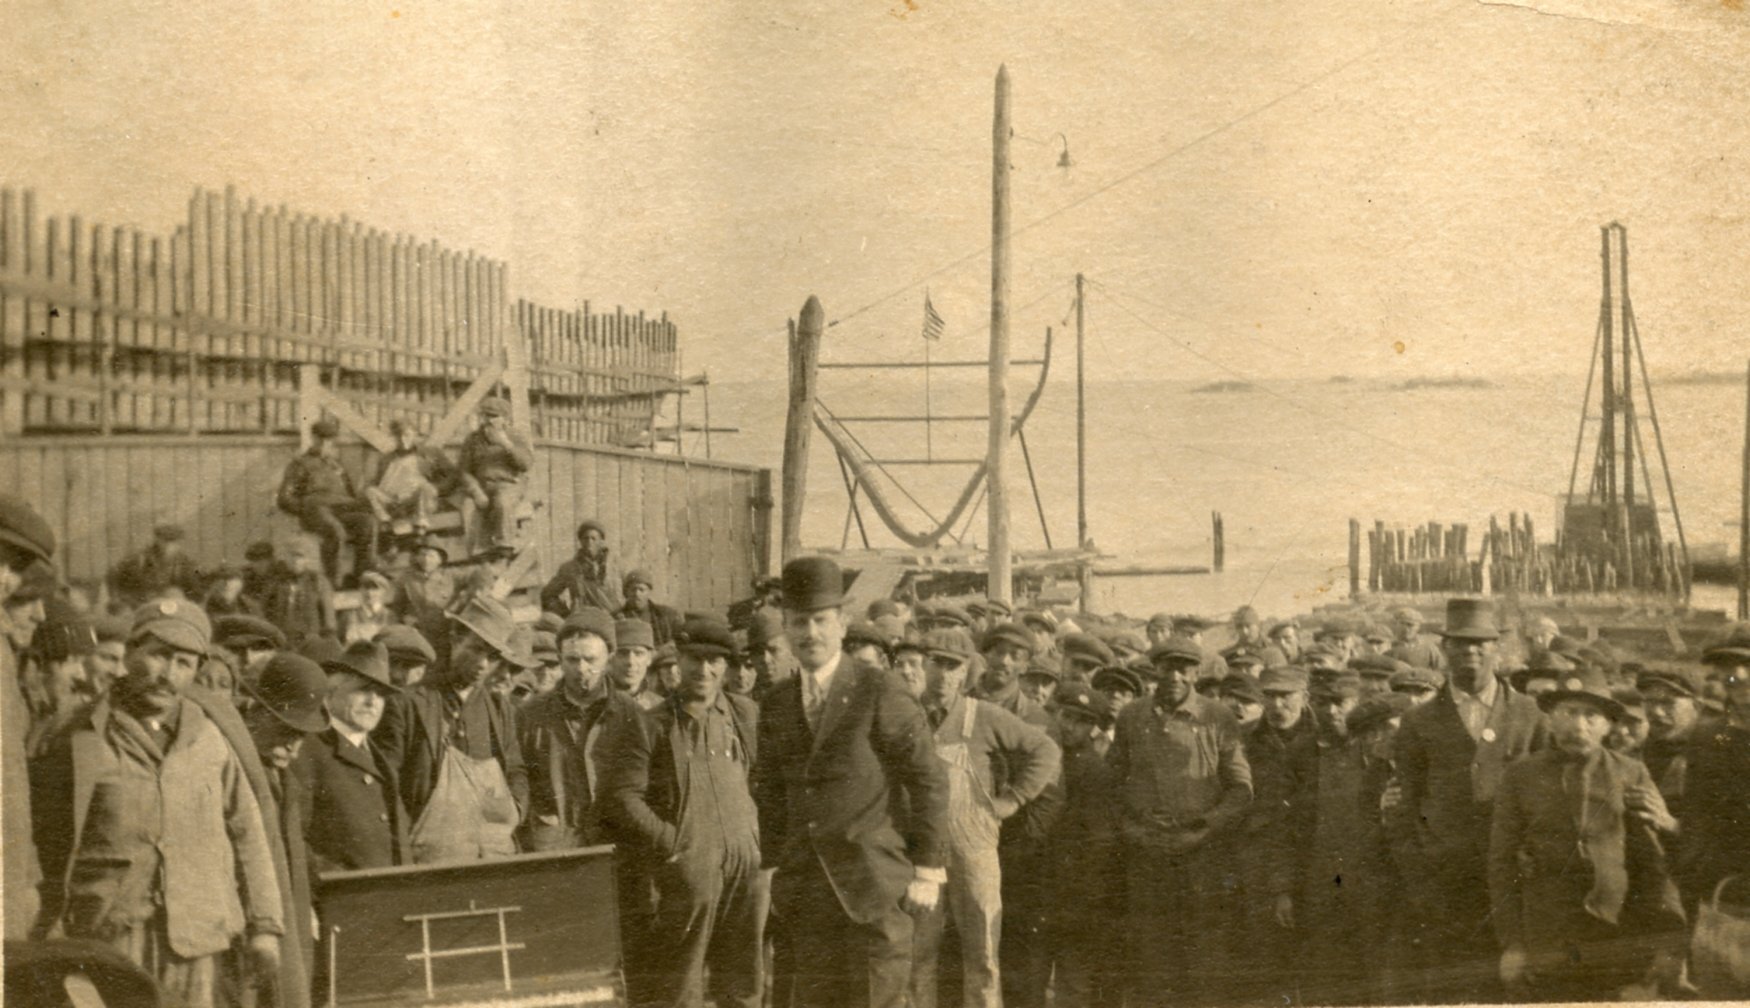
{"points": [[1000, 575], [799, 423]]}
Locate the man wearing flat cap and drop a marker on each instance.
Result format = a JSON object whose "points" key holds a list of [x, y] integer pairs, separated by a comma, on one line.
{"points": [[1672, 697], [1191, 627], [1087, 883], [560, 730], [25, 539], [1582, 901], [145, 575], [842, 747], [452, 743], [996, 764], [318, 491], [149, 829], [1331, 881], [356, 816], [676, 793], [1182, 782], [494, 461], [589, 578], [1450, 754]]}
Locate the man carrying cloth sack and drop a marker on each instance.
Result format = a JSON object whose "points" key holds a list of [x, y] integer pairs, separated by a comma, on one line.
{"points": [[453, 744]]}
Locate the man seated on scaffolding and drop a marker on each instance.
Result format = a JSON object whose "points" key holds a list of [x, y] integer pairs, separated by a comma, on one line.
{"points": [[494, 462], [407, 481], [319, 492]]}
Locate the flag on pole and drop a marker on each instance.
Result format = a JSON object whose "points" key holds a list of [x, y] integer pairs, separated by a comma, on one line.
{"points": [[933, 324]]}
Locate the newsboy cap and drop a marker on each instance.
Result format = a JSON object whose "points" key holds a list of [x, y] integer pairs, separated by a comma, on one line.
{"points": [[705, 638], [405, 643]]}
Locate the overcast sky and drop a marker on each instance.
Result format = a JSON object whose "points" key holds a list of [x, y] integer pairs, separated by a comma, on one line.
{"points": [[1276, 188]]}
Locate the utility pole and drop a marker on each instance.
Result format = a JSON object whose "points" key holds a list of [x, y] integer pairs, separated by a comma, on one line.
{"points": [[1081, 429], [1000, 576], [799, 422]]}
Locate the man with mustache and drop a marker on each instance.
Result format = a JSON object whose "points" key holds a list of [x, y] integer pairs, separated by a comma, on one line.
{"points": [[152, 823], [1450, 753], [1583, 903]]}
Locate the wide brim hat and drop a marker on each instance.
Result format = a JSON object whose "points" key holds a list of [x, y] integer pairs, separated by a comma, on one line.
{"points": [[1470, 619], [368, 660], [490, 621], [23, 528], [291, 688], [811, 584], [1583, 683]]}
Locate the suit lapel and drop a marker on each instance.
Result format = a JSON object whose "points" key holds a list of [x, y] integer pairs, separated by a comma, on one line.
{"points": [[352, 755]]}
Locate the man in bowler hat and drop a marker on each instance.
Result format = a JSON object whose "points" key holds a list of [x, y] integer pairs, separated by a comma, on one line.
{"points": [[1451, 752], [838, 744]]}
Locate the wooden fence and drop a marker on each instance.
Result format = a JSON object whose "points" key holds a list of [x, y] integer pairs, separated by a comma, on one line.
{"points": [[112, 330], [702, 529]]}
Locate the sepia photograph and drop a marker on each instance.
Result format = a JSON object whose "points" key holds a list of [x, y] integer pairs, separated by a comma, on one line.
{"points": [[896, 503]]}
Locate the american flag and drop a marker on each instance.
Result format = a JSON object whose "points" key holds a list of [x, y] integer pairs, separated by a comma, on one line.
{"points": [[933, 324]]}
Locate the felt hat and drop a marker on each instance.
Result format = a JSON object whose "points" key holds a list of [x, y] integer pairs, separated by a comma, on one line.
{"points": [[1470, 619], [320, 649], [1376, 710], [22, 527], [291, 687], [521, 649], [882, 607], [177, 622], [241, 632], [366, 659], [545, 647], [488, 619], [1634, 706], [405, 643], [37, 582], [63, 633], [633, 633], [1007, 633], [812, 584], [590, 523], [325, 428], [951, 641], [1583, 683], [705, 638]]}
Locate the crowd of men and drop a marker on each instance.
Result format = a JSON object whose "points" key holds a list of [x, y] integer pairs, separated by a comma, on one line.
{"points": [[915, 804]]}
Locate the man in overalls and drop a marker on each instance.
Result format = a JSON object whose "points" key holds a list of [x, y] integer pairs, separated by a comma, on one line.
{"points": [[455, 748], [995, 763]]}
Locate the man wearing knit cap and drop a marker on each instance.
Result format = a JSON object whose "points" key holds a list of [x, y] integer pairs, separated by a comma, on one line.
{"points": [[452, 744], [559, 735], [675, 786], [494, 460], [663, 620], [25, 539], [996, 764], [318, 491], [147, 804], [844, 748], [589, 578], [629, 671], [1582, 901], [1181, 782], [144, 575], [1450, 753]]}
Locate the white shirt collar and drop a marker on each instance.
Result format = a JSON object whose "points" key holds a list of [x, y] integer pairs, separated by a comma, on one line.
{"points": [[1486, 697], [351, 734], [823, 675]]}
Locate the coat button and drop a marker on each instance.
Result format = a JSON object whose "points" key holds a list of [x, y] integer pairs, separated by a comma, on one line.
{"points": [[384, 816], [369, 779]]}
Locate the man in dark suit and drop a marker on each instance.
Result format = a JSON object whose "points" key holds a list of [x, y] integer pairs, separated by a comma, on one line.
{"points": [[452, 743], [1451, 753], [356, 819], [852, 806]]}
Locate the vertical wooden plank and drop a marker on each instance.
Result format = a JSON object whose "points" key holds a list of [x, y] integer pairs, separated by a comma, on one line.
{"points": [[11, 316]]}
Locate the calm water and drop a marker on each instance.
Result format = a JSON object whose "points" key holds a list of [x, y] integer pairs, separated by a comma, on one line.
{"points": [[1287, 463]]}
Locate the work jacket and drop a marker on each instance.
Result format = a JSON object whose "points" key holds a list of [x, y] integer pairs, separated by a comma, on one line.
{"points": [[356, 819], [583, 581], [412, 739], [558, 734]]}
